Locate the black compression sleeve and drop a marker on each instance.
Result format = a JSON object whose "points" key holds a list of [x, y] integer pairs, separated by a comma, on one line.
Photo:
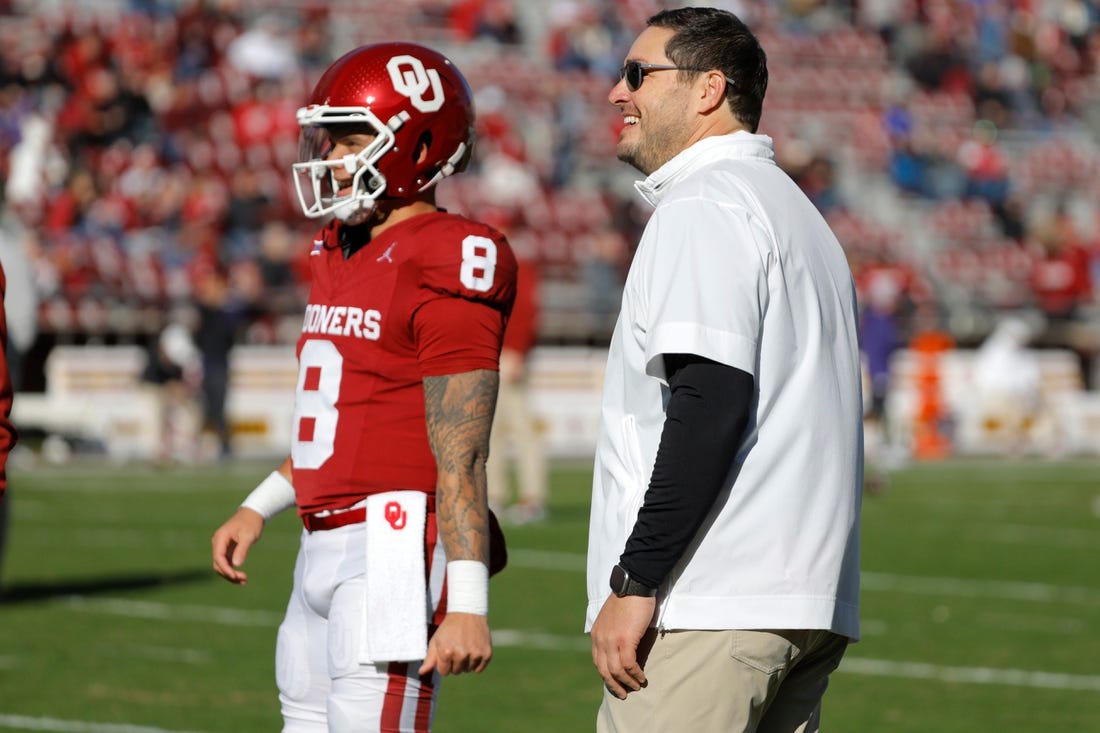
{"points": [[704, 422]]}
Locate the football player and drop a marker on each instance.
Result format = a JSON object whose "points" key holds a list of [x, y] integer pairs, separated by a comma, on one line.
{"points": [[397, 383], [8, 434]]}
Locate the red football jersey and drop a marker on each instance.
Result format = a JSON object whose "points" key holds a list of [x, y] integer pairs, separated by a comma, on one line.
{"points": [[429, 296], [8, 434]]}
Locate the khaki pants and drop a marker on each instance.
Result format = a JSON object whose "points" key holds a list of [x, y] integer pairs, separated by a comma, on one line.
{"points": [[729, 681]]}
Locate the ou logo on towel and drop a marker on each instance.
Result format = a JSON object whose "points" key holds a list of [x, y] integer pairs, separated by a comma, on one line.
{"points": [[410, 78], [395, 515]]}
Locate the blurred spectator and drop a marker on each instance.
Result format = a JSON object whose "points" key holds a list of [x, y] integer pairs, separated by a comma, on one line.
{"points": [[505, 175], [1060, 275], [909, 168], [941, 64], [1008, 387], [602, 264], [1061, 281], [984, 165], [516, 439], [992, 99], [69, 208], [219, 319], [496, 21], [581, 38], [264, 51], [173, 372], [248, 210], [463, 17], [814, 172], [133, 144], [881, 329], [572, 121], [279, 284]]}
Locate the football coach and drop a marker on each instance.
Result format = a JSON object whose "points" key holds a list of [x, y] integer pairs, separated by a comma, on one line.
{"points": [[723, 563]]}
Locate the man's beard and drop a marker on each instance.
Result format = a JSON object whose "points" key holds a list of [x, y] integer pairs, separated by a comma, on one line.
{"points": [[651, 151]]}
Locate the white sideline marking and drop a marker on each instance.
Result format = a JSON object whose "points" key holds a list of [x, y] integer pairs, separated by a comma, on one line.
{"points": [[974, 675], [541, 640], [171, 654], [177, 612], [547, 559], [968, 588], [108, 479], [979, 588], [24, 722], [579, 643], [855, 665], [1026, 534]]}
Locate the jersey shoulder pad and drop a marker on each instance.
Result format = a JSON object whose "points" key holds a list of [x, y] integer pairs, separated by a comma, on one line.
{"points": [[467, 259]]}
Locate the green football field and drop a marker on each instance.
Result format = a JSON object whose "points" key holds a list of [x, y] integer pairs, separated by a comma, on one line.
{"points": [[981, 607]]}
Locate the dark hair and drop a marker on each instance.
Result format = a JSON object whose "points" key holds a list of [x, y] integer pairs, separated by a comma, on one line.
{"points": [[709, 38]]}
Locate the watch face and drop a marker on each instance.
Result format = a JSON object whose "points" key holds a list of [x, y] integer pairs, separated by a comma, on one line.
{"points": [[623, 585], [618, 580]]}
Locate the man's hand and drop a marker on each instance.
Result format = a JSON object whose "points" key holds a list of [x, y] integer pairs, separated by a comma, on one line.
{"points": [[461, 644], [615, 638], [232, 541]]}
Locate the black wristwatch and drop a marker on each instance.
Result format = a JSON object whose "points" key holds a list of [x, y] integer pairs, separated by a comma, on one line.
{"points": [[623, 585]]}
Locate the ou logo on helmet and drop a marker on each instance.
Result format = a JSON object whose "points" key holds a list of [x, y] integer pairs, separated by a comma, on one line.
{"points": [[410, 78]]}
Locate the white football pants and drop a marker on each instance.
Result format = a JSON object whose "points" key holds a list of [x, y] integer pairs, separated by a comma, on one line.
{"points": [[323, 688]]}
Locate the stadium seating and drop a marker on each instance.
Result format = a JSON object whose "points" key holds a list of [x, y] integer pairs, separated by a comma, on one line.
{"points": [[117, 211]]}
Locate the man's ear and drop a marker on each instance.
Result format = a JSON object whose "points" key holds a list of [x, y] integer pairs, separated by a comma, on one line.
{"points": [[421, 153], [711, 91]]}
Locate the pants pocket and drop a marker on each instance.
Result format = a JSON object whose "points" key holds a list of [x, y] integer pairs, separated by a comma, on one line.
{"points": [[765, 651]]}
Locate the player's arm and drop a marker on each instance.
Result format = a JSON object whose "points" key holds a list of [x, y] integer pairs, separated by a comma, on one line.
{"points": [[231, 542], [459, 411]]}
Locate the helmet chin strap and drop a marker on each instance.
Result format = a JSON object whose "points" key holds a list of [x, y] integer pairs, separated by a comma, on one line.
{"points": [[354, 210]]}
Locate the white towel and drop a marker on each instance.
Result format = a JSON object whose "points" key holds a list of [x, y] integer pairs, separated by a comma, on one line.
{"points": [[397, 594]]}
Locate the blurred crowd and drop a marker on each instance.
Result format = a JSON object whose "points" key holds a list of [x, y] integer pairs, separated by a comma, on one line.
{"points": [[145, 149]]}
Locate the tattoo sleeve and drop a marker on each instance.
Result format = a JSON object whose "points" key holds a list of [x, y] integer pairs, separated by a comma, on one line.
{"points": [[459, 410]]}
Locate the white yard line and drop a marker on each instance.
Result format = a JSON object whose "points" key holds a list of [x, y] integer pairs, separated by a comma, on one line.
{"points": [[173, 611], [973, 675], [55, 725], [173, 655], [1036, 534], [853, 665], [575, 562], [963, 587], [542, 640], [547, 559], [978, 588]]}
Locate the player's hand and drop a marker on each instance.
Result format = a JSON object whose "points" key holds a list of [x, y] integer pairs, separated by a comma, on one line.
{"points": [[232, 541], [462, 643], [616, 635]]}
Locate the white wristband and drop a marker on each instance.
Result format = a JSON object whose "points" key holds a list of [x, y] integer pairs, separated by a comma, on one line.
{"points": [[468, 587], [273, 495]]}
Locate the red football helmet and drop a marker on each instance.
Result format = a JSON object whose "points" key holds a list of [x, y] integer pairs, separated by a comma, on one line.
{"points": [[405, 95]]}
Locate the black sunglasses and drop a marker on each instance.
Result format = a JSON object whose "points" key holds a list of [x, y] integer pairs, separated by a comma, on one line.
{"points": [[634, 73]]}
